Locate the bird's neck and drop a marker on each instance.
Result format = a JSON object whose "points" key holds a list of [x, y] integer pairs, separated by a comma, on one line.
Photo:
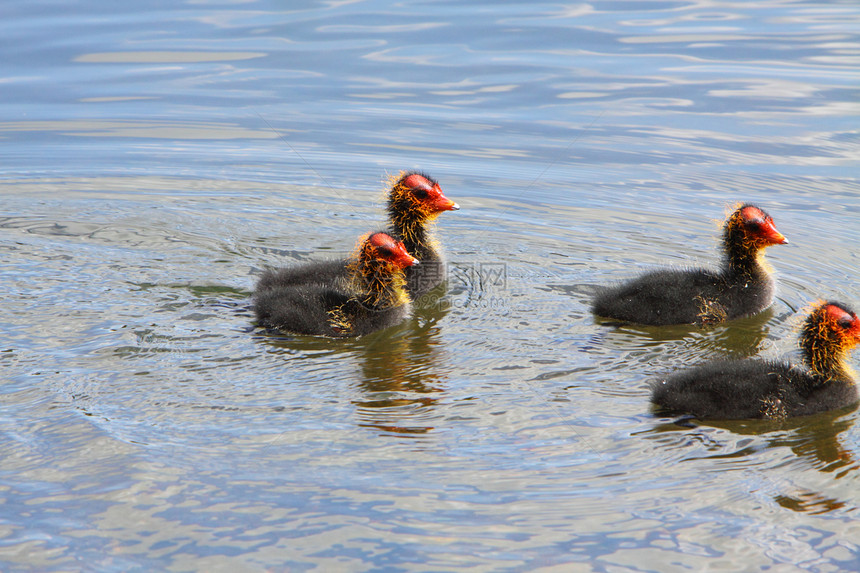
{"points": [[380, 284], [826, 358], [416, 235], [743, 260]]}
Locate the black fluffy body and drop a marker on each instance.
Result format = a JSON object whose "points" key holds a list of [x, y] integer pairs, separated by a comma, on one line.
{"points": [[750, 388], [741, 287], [696, 296], [313, 299], [742, 389], [407, 223], [306, 309]]}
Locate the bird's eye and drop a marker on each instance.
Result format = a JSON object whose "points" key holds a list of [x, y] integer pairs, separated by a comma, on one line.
{"points": [[845, 322], [384, 251], [420, 193]]}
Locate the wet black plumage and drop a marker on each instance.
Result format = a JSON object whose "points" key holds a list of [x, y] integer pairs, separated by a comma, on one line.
{"points": [[370, 296], [330, 273], [738, 389], [414, 200], [741, 287]]}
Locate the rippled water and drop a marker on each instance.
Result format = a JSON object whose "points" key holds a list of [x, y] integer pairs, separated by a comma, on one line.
{"points": [[157, 155]]}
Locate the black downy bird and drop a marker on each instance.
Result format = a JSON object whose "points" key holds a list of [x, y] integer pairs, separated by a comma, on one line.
{"points": [[750, 388], [414, 201], [371, 296], [743, 286]]}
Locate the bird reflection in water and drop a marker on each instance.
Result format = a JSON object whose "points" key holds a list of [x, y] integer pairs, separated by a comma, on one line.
{"points": [[401, 380], [818, 442], [738, 339], [814, 440]]}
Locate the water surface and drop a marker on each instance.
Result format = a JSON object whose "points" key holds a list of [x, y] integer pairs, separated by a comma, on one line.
{"points": [[157, 156]]}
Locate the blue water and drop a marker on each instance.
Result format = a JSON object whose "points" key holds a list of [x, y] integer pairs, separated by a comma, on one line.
{"points": [[155, 156]]}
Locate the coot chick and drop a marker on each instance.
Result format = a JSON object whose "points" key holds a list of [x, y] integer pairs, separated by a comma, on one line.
{"points": [[738, 389], [741, 287], [414, 200], [371, 296]]}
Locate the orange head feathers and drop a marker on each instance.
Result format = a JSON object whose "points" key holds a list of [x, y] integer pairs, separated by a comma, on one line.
{"points": [[747, 232], [377, 270], [381, 247], [829, 333]]}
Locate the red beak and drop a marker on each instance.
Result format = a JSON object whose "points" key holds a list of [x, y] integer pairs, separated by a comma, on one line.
{"points": [[402, 258], [773, 236], [442, 203]]}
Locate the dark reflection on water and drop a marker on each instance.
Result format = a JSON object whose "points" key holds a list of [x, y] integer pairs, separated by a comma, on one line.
{"points": [[399, 382], [815, 440], [810, 502], [739, 338]]}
